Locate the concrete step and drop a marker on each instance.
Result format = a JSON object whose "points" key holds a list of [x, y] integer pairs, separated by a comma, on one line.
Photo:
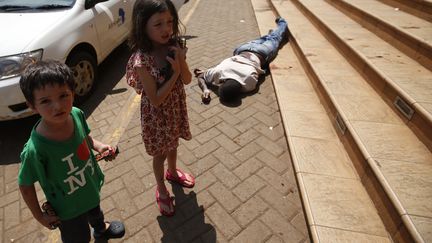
{"points": [[408, 33], [419, 8], [336, 204], [396, 77], [391, 162]]}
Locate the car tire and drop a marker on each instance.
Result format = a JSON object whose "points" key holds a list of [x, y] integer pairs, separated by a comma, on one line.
{"points": [[84, 68]]}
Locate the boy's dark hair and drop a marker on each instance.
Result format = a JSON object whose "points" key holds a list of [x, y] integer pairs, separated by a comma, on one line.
{"points": [[39, 74], [142, 12], [229, 90]]}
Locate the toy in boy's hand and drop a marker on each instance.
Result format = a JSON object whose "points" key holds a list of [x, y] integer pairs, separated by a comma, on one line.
{"points": [[108, 154], [48, 210]]}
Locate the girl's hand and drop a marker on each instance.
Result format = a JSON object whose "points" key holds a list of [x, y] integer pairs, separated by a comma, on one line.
{"points": [[175, 62], [182, 53]]}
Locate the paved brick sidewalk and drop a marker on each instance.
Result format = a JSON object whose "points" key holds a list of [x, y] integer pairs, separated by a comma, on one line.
{"points": [[245, 187]]}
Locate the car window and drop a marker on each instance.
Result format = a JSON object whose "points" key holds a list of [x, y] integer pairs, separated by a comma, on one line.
{"points": [[25, 5]]}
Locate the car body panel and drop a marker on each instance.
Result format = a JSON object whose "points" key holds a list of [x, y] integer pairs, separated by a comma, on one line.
{"points": [[59, 32]]}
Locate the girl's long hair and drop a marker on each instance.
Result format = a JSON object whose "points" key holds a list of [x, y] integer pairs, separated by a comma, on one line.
{"points": [[142, 12]]}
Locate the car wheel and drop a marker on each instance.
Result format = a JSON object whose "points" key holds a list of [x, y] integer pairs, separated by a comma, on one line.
{"points": [[84, 70]]}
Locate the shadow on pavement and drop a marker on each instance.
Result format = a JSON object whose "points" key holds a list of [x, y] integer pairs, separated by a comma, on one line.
{"points": [[188, 223], [110, 73], [13, 135]]}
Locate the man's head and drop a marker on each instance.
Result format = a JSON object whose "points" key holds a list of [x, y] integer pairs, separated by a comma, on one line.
{"points": [[229, 90], [45, 73]]}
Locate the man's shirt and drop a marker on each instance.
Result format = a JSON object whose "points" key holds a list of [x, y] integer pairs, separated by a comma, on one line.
{"points": [[244, 68]]}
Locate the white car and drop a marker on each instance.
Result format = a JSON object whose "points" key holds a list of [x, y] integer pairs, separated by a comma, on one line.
{"points": [[80, 33]]}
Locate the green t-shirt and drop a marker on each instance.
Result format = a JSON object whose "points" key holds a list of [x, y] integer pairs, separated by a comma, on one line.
{"points": [[67, 171]]}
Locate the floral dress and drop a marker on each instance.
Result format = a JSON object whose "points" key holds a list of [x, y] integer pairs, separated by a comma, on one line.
{"points": [[161, 126]]}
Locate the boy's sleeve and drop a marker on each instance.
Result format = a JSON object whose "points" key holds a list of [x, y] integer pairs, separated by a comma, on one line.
{"points": [[29, 167], [82, 119]]}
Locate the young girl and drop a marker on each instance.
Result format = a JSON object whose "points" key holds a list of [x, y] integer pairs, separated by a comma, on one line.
{"points": [[158, 71]]}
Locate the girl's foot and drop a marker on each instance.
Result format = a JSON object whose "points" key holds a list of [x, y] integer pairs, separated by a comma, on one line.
{"points": [[182, 178], [164, 202]]}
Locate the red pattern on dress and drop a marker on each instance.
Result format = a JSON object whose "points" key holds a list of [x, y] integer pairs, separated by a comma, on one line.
{"points": [[161, 126]]}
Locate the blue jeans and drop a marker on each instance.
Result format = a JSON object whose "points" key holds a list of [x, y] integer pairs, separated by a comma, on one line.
{"points": [[268, 45]]}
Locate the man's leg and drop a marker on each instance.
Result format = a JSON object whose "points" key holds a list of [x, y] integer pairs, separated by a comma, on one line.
{"points": [[274, 39], [268, 45], [277, 35]]}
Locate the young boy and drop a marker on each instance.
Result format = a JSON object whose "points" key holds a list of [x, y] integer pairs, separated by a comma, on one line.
{"points": [[59, 156]]}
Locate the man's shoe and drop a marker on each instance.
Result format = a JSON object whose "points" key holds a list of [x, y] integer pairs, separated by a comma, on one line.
{"points": [[278, 18]]}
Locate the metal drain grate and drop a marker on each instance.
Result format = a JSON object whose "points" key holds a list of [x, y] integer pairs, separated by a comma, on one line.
{"points": [[404, 107]]}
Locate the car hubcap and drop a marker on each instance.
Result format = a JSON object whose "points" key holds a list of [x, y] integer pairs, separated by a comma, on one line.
{"points": [[84, 77]]}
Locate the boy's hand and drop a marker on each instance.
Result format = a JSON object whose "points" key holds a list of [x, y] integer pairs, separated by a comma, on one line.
{"points": [[108, 153], [49, 218], [51, 222]]}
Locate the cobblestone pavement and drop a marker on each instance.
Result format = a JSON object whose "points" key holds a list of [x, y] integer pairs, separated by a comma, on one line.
{"points": [[245, 187]]}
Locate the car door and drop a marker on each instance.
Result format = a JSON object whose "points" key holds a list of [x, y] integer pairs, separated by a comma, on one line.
{"points": [[127, 6], [110, 24]]}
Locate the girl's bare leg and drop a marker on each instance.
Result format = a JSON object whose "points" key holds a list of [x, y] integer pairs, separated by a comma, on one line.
{"points": [[172, 165], [172, 161], [158, 169]]}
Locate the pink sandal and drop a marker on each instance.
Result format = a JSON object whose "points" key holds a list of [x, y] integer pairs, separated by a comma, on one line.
{"points": [[168, 201], [182, 179]]}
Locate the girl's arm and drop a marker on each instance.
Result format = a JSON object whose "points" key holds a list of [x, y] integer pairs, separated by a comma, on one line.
{"points": [[30, 198], [185, 74], [157, 96]]}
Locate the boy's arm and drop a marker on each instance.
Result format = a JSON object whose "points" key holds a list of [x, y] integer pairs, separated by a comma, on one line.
{"points": [[101, 148], [30, 198]]}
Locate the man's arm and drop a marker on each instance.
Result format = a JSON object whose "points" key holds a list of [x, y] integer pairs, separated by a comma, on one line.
{"points": [[205, 96]]}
